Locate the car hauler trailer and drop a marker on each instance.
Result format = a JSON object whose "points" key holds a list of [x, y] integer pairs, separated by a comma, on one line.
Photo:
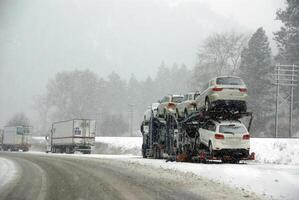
{"points": [[15, 138], [178, 139], [72, 135]]}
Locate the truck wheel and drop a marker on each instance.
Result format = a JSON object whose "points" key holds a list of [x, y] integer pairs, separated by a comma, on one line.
{"points": [[185, 113], [207, 105]]}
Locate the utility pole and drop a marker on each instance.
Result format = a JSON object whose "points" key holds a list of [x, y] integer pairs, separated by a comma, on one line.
{"points": [[285, 79], [131, 114]]}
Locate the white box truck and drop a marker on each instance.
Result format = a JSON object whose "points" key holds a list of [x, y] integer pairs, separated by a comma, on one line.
{"points": [[72, 135], [1, 138], [15, 138]]}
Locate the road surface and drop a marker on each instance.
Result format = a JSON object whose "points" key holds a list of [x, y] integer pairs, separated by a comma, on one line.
{"points": [[42, 176]]}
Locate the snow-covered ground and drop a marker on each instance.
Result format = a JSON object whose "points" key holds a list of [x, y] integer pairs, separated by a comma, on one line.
{"points": [[276, 151], [271, 181], [7, 172]]}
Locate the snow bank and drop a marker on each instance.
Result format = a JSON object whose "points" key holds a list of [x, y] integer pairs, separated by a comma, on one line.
{"points": [[276, 150], [8, 171], [268, 180], [119, 145]]}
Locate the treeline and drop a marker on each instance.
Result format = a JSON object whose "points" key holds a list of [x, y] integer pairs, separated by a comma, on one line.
{"points": [[84, 94]]}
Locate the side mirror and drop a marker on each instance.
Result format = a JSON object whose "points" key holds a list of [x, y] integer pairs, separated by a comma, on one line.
{"points": [[47, 137]]}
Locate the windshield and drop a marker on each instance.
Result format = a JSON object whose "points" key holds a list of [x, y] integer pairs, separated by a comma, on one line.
{"points": [[177, 99], [232, 128], [229, 81]]}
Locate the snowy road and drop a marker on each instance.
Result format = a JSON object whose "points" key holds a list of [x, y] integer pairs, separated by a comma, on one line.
{"points": [[41, 176]]}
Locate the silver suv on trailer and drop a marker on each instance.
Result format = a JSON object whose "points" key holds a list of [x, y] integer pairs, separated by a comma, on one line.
{"points": [[224, 92]]}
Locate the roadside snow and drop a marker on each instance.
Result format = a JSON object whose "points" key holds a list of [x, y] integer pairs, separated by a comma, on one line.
{"points": [[118, 145], [271, 181], [7, 172], [124, 142], [276, 151]]}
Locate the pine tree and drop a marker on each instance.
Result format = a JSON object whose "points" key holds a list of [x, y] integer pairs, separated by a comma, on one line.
{"points": [[255, 70], [287, 38]]}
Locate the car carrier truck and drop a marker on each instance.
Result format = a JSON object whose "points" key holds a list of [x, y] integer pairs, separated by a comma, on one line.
{"points": [[15, 138], [72, 135]]}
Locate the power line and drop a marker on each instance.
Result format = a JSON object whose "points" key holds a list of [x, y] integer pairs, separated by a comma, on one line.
{"points": [[285, 78]]}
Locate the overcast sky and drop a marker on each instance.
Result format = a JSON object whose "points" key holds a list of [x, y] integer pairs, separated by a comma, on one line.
{"points": [[41, 38]]}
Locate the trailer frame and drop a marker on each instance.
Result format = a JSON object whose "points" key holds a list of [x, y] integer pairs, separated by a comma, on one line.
{"points": [[175, 147]]}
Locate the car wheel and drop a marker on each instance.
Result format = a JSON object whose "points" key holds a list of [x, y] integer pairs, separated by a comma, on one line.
{"points": [[207, 105]]}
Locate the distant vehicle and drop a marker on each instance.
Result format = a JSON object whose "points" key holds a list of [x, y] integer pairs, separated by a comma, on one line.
{"points": [[151, 109], [225, 138], [187, 106], [154, 108], [1, 138], [168, 105], [225, 92], [72, 135], [15, 138]]}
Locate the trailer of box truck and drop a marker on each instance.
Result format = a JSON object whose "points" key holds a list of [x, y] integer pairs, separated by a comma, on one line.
{"points": [[15, 138], [72, 135], [1, 138]]}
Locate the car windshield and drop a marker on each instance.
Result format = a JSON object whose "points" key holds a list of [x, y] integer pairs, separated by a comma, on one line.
{"points": [[232, 128], [229, 81], [177, 99]]}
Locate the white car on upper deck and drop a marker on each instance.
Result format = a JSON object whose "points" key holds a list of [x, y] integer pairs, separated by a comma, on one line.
{"points": [[168, 105], [223, 93]]}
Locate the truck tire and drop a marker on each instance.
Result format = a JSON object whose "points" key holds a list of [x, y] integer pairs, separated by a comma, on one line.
{"points": [[207, 105], [185, 113], [53, 149]]}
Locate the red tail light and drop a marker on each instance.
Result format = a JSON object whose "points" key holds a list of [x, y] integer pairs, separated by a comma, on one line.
{"points": [[246, 137], [243, 89], [219, 136], [171, 106], [215, 89]]}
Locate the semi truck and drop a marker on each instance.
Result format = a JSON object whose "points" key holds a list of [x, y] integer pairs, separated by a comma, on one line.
{"points": [[15, 138], [71, 136], [1, 138]]}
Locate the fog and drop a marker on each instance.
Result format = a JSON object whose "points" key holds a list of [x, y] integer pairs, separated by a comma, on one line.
{"points": [[40, 38]]}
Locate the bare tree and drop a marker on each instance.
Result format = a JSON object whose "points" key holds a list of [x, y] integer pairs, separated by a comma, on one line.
{"points": [[19, 119], [222, 51]]}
